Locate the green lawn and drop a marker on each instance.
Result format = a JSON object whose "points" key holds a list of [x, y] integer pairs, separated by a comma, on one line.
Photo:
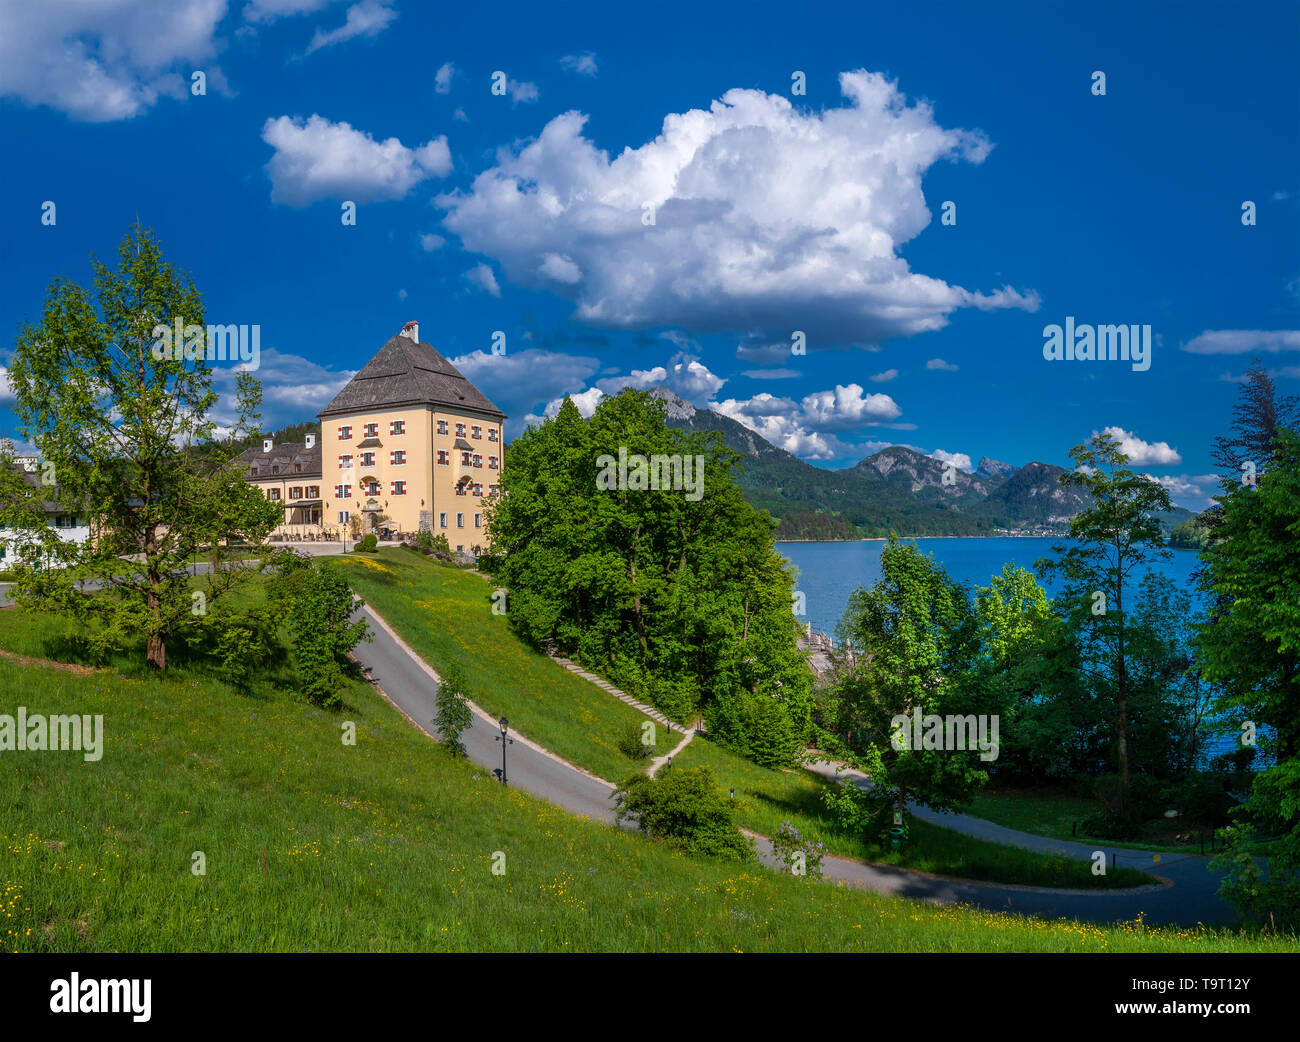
{"points": [[766, 798], [313, 845], [1053, 814], [445, 614]]}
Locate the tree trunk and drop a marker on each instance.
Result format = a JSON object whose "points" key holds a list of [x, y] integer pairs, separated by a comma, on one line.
{"points": [[1123, 750], [1121, 675], [157, 653]]}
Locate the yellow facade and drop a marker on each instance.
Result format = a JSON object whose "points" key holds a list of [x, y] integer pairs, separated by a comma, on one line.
{"points": [[362, 479], [411, 441]]}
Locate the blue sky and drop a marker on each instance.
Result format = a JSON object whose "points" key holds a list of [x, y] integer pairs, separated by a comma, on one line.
{"points": [[774, 212]]}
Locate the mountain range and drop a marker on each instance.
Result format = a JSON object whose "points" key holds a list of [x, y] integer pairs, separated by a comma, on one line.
{"points": [[897, 489]]}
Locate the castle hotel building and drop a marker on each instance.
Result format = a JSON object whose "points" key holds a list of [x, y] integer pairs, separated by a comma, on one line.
{"points": [[408, 438]]}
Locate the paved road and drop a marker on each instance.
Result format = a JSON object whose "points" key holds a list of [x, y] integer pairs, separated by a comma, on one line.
{"points": [[409, 683], [1191, 898]]}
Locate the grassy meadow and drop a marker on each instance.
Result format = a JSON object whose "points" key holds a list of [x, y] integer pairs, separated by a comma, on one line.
{"points": [[388, 845]]}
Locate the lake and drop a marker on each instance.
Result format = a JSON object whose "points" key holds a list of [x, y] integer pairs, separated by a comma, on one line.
{"points": [[829, 572]]}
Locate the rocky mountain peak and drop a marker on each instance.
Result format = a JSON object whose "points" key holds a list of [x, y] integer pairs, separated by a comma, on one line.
{"points": [[994, 468], [678, 407]]}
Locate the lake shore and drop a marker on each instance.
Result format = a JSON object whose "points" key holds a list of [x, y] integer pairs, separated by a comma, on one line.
{"points": [[905, 538], [831, 569]]}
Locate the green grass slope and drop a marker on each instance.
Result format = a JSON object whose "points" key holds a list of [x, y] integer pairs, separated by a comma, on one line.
{"points": [[388, 845], [445, 614]]}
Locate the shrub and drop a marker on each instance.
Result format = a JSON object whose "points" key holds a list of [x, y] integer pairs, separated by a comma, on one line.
{"points": [[1268, 892], [369, 544], [684, 808], [675, 697], [796, 853], [753, 725], [632, 743], [454, 714], [429, 543], [243, 646], [317, 604], [1112, 821], [1202, 798], [861, 812], [772, 739], [725, 718]]}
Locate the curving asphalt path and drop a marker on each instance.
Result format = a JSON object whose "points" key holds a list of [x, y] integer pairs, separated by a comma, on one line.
{"points": [[412, 686], [1188, 894]]}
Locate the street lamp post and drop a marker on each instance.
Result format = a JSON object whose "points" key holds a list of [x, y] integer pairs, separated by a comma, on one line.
{"points": [[505, 726]]}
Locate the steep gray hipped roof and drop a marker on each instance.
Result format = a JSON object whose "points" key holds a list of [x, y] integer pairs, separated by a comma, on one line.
{"points": [[285, 455], [404, 374], [33, 479]]}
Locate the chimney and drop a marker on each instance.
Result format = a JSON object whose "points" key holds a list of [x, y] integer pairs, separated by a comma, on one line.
{"points": [[412, 331], [266, 444], [311, 441]]}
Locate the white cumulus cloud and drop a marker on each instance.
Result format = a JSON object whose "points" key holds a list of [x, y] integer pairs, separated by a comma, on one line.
{"points": [[262, 11], [106, 61], [292, 386], [316, 159], [519, 381], [960, 460], [481, 276], [1243, 341], [1143, 453], [639, 379], [521, 93], [368, 18], [582, 64], [442, 78], [561, 269], [847, 408], [766, 219], [585, 402], [1192, 491], [777, 420]]}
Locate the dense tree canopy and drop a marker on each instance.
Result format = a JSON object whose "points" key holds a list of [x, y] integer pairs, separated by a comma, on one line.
{"points": [[915, 639], [1252, 648], [676, 594]]}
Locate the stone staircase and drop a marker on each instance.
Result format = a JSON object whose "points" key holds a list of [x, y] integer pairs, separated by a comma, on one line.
{"points": [[622, 696]]}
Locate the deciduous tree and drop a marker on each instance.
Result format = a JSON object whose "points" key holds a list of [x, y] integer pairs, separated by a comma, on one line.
{"points": [[114, 422]]}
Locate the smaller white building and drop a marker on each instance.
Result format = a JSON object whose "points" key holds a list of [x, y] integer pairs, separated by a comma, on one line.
{"points": [[66, 526]]}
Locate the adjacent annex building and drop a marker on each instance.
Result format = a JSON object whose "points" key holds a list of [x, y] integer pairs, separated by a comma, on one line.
{"points": [[289, 474], [411, 440]]}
